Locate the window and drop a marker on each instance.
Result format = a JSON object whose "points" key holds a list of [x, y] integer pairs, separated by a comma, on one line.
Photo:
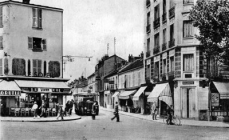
{"points": [[164, 6], [29, 68], [172, 64], [171, 32], [37, 18], [188, 29], [156, 69], [37, 44], [36, 67], [156, 39], [54, 68], [18, 66], [44, 68], [164, 66], [1, 17], [188, 62], [1, 73], [148, 18], [164, 36], [1, 42], [148, 44], [156, 12]]}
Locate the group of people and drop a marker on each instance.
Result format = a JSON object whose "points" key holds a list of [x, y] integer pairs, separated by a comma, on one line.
{"points": [[59, 109]]}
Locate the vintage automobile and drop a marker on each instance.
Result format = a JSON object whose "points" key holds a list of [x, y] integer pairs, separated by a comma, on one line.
{"points": [[83, 106]]}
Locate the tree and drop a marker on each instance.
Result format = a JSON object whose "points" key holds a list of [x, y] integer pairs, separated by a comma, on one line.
{"points": [[211, 17]]}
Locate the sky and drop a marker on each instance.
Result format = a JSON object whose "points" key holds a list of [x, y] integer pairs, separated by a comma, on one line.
{"points": [[90, 25]]}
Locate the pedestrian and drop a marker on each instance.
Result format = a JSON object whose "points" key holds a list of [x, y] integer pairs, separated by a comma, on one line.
{"points": [[34, 108], [116, 115], [67, 106], [43, 110], [70, 107], [169, 114], [93, 112], [60, 112], [153, 108]]}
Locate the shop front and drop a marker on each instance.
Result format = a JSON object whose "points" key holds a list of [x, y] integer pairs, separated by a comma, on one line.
{"points": [[21, 95], [161, 96], [138, 100], [219, 101], [125, 100]]}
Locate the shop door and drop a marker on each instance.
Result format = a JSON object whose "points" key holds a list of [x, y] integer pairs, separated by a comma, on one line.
{"points": [[188, 102]]}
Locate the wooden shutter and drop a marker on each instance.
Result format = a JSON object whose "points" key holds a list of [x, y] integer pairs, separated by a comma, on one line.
{"points": [[1, 42], [1, 73], [39, 18], [35, 66], [1, 19], [35, 17], [44, 44], [39, 66], [30, 42]]}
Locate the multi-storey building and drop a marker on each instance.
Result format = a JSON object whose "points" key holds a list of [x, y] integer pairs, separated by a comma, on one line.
{"points": [[173, 56], [31, 49]]}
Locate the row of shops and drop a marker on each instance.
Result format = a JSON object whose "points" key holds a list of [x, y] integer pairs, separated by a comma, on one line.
{"points": [[194, 102], [21, 93]]}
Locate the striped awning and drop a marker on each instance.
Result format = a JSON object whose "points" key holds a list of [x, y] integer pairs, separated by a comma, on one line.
{"points": [[126, 94], [223, 89], [9, 88]]}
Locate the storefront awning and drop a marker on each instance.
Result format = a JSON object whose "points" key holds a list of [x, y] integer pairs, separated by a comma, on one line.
{"points": [[115, 94], [126, 94], [223, 89], [138, 93], [83, 94], [41, 84], [9, 88], [161, 92]]}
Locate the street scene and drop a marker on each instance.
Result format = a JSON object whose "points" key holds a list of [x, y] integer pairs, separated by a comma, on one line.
{"points": [[105, 69]]}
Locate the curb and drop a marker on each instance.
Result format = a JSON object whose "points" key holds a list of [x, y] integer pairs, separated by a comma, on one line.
{"points": [[168, 125], [41, 120]]}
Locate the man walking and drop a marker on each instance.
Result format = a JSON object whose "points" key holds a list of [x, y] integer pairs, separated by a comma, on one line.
{"points": [[116, 113]]}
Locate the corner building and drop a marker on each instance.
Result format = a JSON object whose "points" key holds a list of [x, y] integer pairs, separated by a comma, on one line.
{"points": [[172, 56]]}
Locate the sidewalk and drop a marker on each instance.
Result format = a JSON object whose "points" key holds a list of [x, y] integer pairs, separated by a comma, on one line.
{"points": [[42, 119], [186, 122]]}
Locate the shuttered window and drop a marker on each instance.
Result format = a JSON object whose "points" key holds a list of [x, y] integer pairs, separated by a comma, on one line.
{"points": [[18, 66], [37, 18], [44, 45], [1, 17], [36, 67], [188, 62], [30, 42], [1, 42], [188, 29]]}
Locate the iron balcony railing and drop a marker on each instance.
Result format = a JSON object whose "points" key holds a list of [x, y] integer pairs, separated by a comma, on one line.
{"points": [[164, 19], [171, 43], [172, 12], [164, 46], [156, 23], [148, 54], [188, 1]]}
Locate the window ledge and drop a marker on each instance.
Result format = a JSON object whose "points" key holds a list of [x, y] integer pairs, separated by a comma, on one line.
{"points": [[37, 28]]}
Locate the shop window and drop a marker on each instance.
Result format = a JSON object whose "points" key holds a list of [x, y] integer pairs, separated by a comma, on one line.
{"points": [[36, 67], [188, 62], [18, 66], [54, 68], [1, 73], [37, 18]]}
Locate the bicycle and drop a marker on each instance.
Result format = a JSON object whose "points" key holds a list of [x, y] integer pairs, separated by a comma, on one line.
{"points": [[175, 120]]}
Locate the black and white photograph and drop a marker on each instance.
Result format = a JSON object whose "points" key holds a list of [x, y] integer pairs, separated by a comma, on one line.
{"points": [[114, 69]]}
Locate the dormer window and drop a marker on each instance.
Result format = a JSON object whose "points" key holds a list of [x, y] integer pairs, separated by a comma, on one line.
{"points": [[37, 18]]}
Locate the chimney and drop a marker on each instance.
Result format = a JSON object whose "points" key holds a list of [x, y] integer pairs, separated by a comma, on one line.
{"points": [[26, 1]]}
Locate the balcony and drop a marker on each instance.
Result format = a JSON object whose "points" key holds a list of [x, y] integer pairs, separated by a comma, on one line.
{"points": [[164, 46], [147, 3], [172, 12], [148, 28], [164, 19], [156, 49], [156, 23], [148, 54], [171, 43]]}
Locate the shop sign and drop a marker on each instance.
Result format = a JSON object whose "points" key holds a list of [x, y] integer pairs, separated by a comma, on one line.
{"points": [[45, 90], [215, 99], [56, 90], [12, 93], [188, 82]]}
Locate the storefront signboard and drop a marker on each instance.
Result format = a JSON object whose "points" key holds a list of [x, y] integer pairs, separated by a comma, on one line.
{"points": [[215, 99], [188, 82], [44, 90], [10, 93]]}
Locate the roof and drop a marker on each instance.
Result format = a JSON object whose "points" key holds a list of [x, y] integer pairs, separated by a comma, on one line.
{"points": [[30, 5], [131, 66], [93, 74]]}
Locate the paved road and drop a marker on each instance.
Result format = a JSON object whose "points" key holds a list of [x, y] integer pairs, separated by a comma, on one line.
{"points": [[103, 129]]}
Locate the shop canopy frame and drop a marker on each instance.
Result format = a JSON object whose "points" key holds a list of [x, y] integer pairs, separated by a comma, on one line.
{"points": [[223, 89], [161, 92]]}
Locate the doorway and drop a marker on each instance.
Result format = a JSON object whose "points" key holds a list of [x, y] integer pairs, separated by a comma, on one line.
{"points": [[188, 102]]}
